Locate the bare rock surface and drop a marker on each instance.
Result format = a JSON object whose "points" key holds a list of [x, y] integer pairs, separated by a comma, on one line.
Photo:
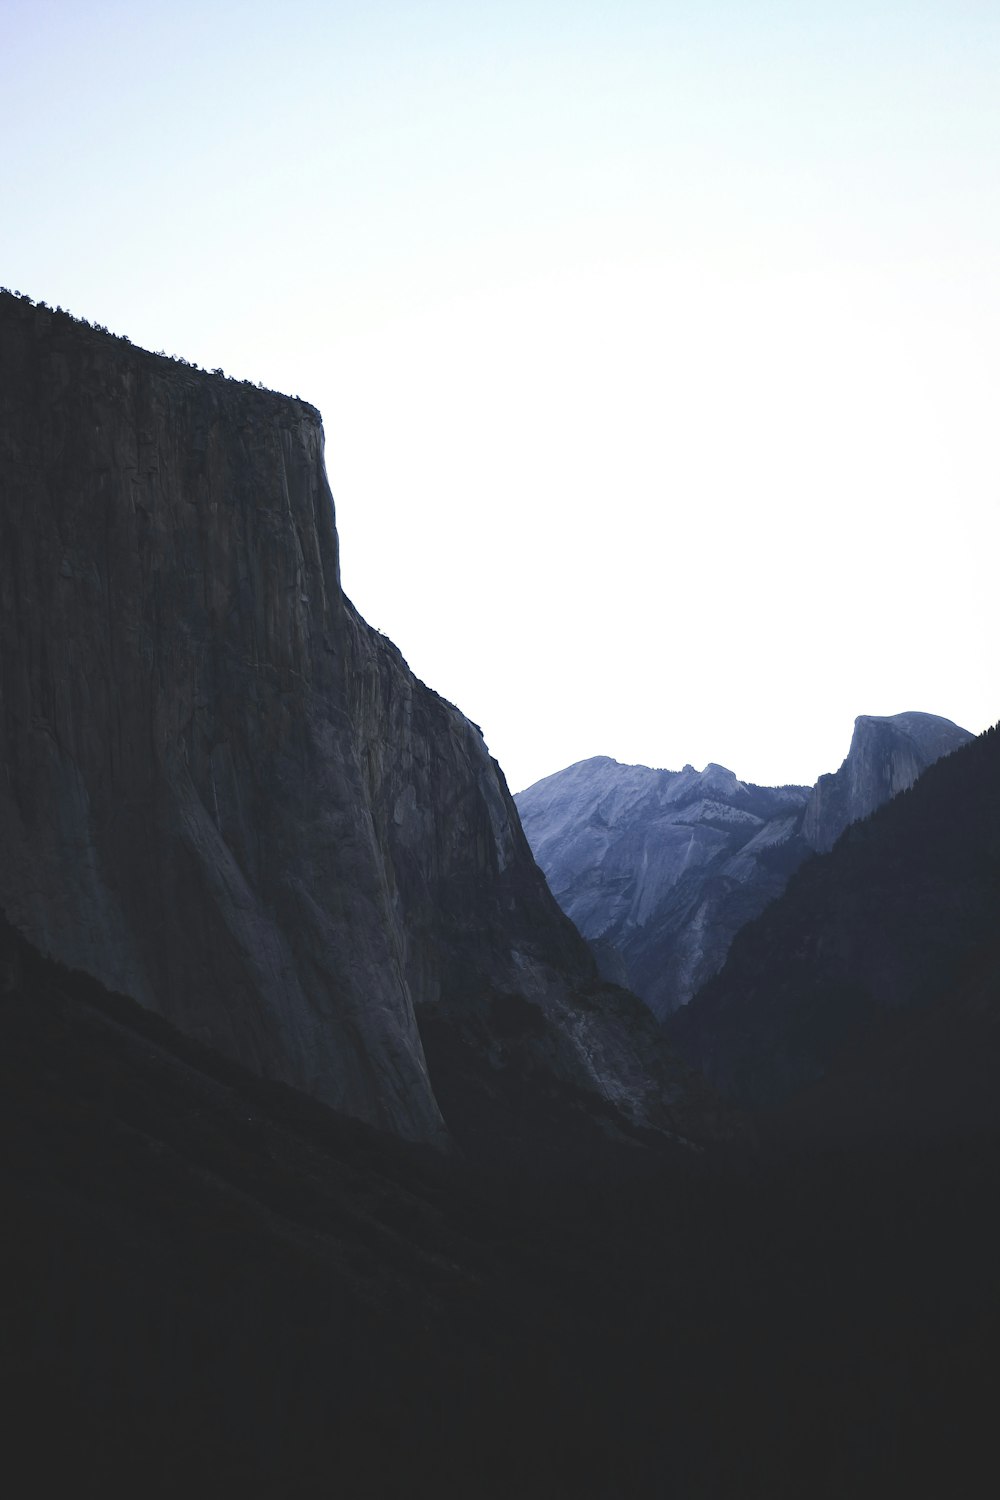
{"points": [[181, 805], [887, 755], [223, 794], [661, 869], [516, 1020]]}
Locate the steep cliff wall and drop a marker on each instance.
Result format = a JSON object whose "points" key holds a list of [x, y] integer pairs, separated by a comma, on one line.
{"points": [[223, 794], [182, 812], [887, 755]]}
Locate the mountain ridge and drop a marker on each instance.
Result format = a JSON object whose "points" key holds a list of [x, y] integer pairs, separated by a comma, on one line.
{"points": [[218, 1284], [660, 869], [898, 919]]}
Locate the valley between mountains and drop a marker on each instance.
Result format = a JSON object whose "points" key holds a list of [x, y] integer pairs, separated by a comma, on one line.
{"points": [[367, 1131], [661, 869]]}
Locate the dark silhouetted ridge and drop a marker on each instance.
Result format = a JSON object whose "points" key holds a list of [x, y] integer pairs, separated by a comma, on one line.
{"points": [[879, 964]]}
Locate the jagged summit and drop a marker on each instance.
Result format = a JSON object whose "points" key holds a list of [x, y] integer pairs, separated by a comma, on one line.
{"points": [[887, 754], [633, 853]]}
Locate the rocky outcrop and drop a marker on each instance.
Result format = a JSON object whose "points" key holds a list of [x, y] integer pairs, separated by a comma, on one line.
{"points": [[509, 1003], [223, 794], [887, 755], [661, 869], [182, 811]]}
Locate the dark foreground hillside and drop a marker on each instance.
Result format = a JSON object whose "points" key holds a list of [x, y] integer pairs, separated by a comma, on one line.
{"points": [[213, 1285], [876, 974]]}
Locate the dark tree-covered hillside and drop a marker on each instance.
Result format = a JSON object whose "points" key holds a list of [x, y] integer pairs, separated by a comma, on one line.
{"points": [[213, 1285], [889, 943]]}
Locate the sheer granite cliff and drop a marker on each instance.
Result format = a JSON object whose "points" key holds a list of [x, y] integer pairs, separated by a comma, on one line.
{"points": [[182, 813], [887, 755], [222, 793]]}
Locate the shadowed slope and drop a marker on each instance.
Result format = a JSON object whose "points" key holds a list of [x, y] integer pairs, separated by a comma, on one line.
{"points": [[902, 915], [214, 1286]]}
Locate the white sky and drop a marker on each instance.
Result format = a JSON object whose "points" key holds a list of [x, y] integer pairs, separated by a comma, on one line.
{"points": [[658, 344]]}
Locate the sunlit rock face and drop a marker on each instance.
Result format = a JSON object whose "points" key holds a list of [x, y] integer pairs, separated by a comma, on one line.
{"points": [[660, 869], [886, 757], [223, 794]]}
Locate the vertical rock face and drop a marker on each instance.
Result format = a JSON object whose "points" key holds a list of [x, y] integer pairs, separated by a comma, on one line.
{"points": [[886, 756], [223, 794], [182, 810]]}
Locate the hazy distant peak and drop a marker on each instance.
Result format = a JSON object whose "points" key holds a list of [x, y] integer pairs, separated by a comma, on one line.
{"points": [[933, 735], [928, 730], [888, 752], [660, 868], [589, 763], [910, 718]]}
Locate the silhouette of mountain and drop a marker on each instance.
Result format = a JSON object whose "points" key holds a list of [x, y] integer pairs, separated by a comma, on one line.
{"points": [[878, 964], [222, 793], [244, 849]]}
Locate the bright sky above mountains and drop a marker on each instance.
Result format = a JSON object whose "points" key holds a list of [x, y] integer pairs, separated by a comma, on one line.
{"points": [[658, 345]]}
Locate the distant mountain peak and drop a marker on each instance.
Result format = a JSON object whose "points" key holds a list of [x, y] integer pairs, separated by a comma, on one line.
{"points": [[888, 752], [878, 966], [661, 868]]}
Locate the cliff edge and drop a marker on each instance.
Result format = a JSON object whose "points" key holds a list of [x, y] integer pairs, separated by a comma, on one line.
{"points": [[223, 794]]}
